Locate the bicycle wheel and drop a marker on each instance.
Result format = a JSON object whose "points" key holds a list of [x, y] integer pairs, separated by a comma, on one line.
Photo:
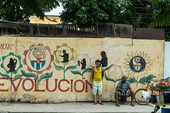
{"points": [[139, 97]]}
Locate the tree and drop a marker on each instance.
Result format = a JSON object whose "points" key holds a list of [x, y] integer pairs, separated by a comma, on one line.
{"points": [[149, 13], [20, 10], [162, 18], [92, 12], [142, 16], [105, 11]]}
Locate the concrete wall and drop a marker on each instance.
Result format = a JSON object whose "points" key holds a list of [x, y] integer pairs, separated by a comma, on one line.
{"points": [[58, 69]]}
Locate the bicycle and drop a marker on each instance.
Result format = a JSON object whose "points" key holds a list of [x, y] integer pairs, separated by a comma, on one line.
{"points": [[139, 96]]}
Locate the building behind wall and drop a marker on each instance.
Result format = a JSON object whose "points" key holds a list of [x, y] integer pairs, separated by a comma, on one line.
{"points": [[36, 20]]}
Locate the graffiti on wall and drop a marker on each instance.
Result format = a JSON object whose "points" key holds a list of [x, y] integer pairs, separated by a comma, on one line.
{"points": [[104, 54], [11, 64], [114, 74], [83, 62], [137, 64], [38, 58], [6, 46], [64, 54]]}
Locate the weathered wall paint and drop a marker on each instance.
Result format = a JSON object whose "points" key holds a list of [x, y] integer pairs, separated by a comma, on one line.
{"points": [[58, 69]]}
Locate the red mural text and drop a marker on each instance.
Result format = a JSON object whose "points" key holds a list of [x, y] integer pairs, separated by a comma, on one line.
{"points": [[6, 46], [62, 85]]}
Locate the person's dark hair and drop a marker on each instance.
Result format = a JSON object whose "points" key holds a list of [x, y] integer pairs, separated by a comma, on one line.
{"points": [[97, 60]]}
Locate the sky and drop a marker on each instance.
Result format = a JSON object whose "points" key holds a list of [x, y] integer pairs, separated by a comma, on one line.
{"points": [[55, 11]]}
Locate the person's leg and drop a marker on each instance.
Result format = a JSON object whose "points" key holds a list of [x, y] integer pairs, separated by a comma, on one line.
{"points": [[95, 100], [117, 98], [131, 93], [94, 91], [100, 92], [100, 96]]}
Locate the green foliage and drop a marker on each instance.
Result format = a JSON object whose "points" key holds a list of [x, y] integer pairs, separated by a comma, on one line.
{"points": [[162, 15], [45, 76], [119, 79], [108, 67], [131, 80], [71, 67], [161, 20], [154, 1], [29, 74], [79, 72], [86, 11], [144, 79], [63, 68], [150, 13], [109, 79], [17, 77], [20, 10], [87, 70], [58, 67], [150, 77], [105, 11], [4, 76], [76, 72]]}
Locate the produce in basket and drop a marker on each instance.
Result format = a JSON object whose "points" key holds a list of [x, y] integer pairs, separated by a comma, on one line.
{"points": [[162, 84]]}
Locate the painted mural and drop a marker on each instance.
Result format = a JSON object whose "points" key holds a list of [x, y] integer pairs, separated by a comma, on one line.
{"points": [[64, 54], [137, 64], [59, 70], [11, 64]]}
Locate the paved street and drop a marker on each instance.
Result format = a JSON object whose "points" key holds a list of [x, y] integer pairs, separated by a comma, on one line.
{"points": [[76, 107]]}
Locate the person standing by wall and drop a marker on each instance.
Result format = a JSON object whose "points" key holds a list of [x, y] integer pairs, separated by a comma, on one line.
{"points": [[97, 76]]}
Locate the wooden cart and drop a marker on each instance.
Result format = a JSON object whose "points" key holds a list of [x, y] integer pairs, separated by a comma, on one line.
{"points": [[157, 89]]}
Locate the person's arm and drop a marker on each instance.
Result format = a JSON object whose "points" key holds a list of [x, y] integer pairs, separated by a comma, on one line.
{"points": [[91, 77], [118, 87], [102, 72], [130, 89]]}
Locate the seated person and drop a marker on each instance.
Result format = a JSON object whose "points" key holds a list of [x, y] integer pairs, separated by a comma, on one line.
{"points": [[124, 88]]}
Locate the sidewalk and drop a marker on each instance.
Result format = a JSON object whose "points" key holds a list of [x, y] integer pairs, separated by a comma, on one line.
{"points": [[76, 107]]}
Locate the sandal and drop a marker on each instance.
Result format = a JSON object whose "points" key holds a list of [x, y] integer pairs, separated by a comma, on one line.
{"points": [[94, 103], [101, 103]]}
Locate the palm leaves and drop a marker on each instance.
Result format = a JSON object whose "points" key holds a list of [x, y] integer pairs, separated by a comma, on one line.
{"points": [[163, 18]]}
